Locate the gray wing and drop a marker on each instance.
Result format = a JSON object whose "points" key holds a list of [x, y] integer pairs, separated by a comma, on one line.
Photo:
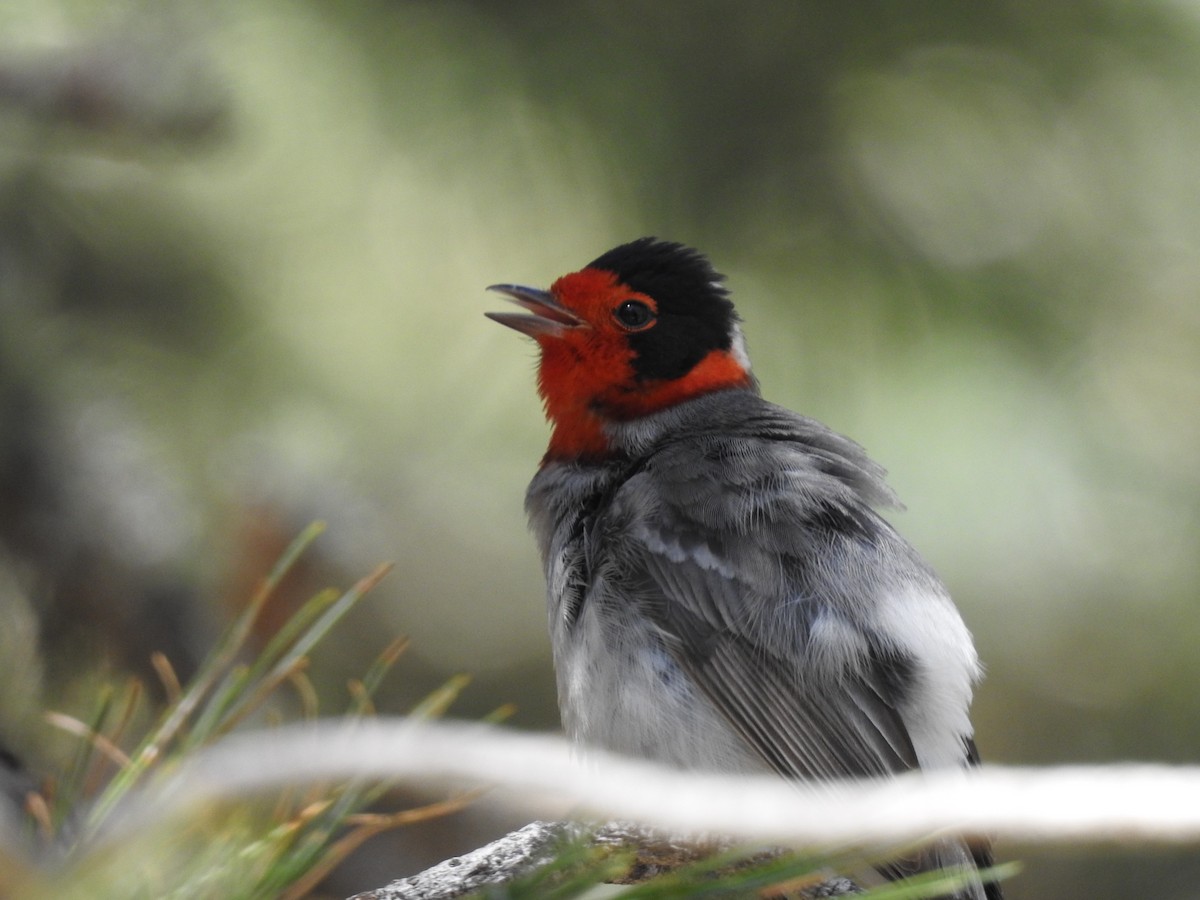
{"points": [[759, 573]]}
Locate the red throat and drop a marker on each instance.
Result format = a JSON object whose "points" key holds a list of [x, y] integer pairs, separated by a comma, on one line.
{"points": [[587, 376], [580, 402], [576, 370]]}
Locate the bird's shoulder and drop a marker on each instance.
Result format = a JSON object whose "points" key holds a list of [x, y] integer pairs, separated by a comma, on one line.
{"points": [[736, 435], [732, 462]]}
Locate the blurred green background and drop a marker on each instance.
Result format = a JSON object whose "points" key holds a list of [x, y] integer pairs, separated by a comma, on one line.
{"points": [[243, 249]]}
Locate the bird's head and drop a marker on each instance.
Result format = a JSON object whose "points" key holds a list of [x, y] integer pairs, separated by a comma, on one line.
{"points": [[645, 326]]}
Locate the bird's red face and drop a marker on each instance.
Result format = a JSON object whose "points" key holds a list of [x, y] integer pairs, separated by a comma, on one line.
{"points": [[640, 329]]}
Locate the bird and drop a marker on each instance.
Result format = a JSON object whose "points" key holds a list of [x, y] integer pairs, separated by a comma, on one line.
{"points": [[723, 594]]}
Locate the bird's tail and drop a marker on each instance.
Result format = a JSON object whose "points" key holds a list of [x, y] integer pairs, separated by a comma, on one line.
{"points": [[953, 854]]}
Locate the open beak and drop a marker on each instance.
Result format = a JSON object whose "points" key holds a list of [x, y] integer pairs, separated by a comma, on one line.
{"points": [[548, 315]]}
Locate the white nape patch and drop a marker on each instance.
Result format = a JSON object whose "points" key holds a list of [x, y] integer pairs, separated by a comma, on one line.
{"points": [[738, 347], [924, 622]]}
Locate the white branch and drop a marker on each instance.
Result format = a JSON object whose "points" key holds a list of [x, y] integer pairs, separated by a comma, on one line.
{"points": [[537, 773], [536, 844], [498, 863]]}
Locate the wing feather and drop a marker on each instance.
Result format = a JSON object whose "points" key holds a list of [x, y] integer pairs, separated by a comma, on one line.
{"points": [[804, 724], [760, 577]]}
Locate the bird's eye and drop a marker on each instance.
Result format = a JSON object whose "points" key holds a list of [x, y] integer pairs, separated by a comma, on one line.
{"points": [[634, 315]]}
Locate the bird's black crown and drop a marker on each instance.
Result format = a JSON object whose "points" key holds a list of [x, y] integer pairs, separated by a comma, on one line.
{"points": [[695, 314]]}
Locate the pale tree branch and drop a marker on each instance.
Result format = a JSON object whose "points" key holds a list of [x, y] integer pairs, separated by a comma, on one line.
{"points": [[538, 775], [536, 844]]}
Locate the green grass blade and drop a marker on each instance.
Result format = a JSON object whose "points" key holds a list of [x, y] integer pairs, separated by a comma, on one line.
{"points": [[214, 667], [330, 617], [436, 704], [940, 883]]}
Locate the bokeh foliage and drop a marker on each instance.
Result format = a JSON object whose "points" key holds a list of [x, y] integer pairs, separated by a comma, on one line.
{"points": [[242, 253]]}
